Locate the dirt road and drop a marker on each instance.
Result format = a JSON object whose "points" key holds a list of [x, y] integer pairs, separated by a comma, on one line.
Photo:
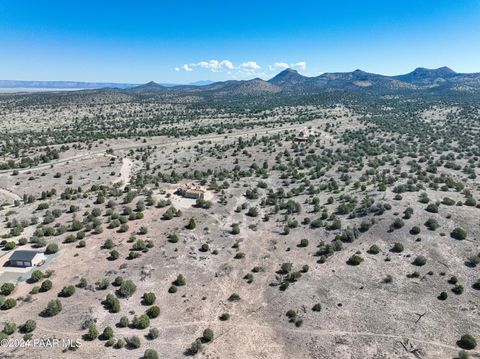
{"points": [[125, 172], [162, 143], [9, 194]]}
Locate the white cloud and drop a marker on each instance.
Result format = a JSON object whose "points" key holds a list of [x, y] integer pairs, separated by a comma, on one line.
{"points": [[278, 66], [212, 65], [227, 64], [302, 65], [249, 67], [245, 69]]}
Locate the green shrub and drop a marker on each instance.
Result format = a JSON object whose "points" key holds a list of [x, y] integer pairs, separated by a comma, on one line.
{"points": [[458, 233], [355, 260], [234, 298], [9, 303], [134, 342], [458, 289], [467, 342], [9, 246], [470, 202], [303, 243], [448, 201], [123, 228], [397, 247], [191, 224], [398, 223], [150, 354], [149, 298], [107, 333], [153, 311], [9, 328], [53, 308], [51, 248], [235, 228], [443, 296], [432, 208], [374, 249], [141, 322], [420, 261], [29, 326], [415, 230], [476, 285], [196, 347], [36, 276], [127, 288], [112, 303], [180, 281], [173, 238], [224, 317], [7, 288], [291, 314], [124, 322], [67, 291], [432, 224], [46, 286], [286, 268], [207, 335], [92, 332]]}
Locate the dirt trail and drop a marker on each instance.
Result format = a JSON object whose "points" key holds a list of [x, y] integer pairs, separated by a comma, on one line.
{"points": [[253, 327], [10, 194], [175, 142], [125, 172]]}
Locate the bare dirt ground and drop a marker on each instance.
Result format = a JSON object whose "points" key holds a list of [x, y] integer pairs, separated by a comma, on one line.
{"points": [[264, 193]]}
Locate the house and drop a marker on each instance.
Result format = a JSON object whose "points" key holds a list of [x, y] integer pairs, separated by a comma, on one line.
{"points": [[305, 135], [26, 259], [301, 138], [191, 191]]}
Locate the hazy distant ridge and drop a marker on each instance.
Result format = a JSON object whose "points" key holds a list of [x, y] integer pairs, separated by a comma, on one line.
{"points": [[12, 84]]}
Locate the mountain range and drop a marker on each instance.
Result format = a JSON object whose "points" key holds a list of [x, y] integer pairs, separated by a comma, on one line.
{"points": [[290, 82], [77, 85]]}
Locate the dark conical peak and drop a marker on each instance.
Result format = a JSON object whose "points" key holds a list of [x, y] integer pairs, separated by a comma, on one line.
{"points": [[441, 71], [149, 86], [444, 70], [289, 71], [287, 76], [422, 74]]}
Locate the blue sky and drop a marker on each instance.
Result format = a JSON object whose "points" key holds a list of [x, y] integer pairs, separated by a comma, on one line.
{"points": [[185, 41]]}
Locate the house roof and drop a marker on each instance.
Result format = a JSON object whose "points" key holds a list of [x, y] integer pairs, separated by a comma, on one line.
{"points": [[23, 255]]}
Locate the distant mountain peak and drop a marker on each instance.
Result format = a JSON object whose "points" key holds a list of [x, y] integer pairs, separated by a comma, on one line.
{"points": [[290, 71], [427, 77], [287, 77], [149, 86], [444, 70]]}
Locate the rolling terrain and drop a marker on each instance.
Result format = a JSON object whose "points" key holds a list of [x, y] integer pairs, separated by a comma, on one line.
{"points": [[301, 217]]}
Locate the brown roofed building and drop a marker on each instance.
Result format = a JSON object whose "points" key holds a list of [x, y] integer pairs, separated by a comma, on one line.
{"points": [[191, 191]]}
